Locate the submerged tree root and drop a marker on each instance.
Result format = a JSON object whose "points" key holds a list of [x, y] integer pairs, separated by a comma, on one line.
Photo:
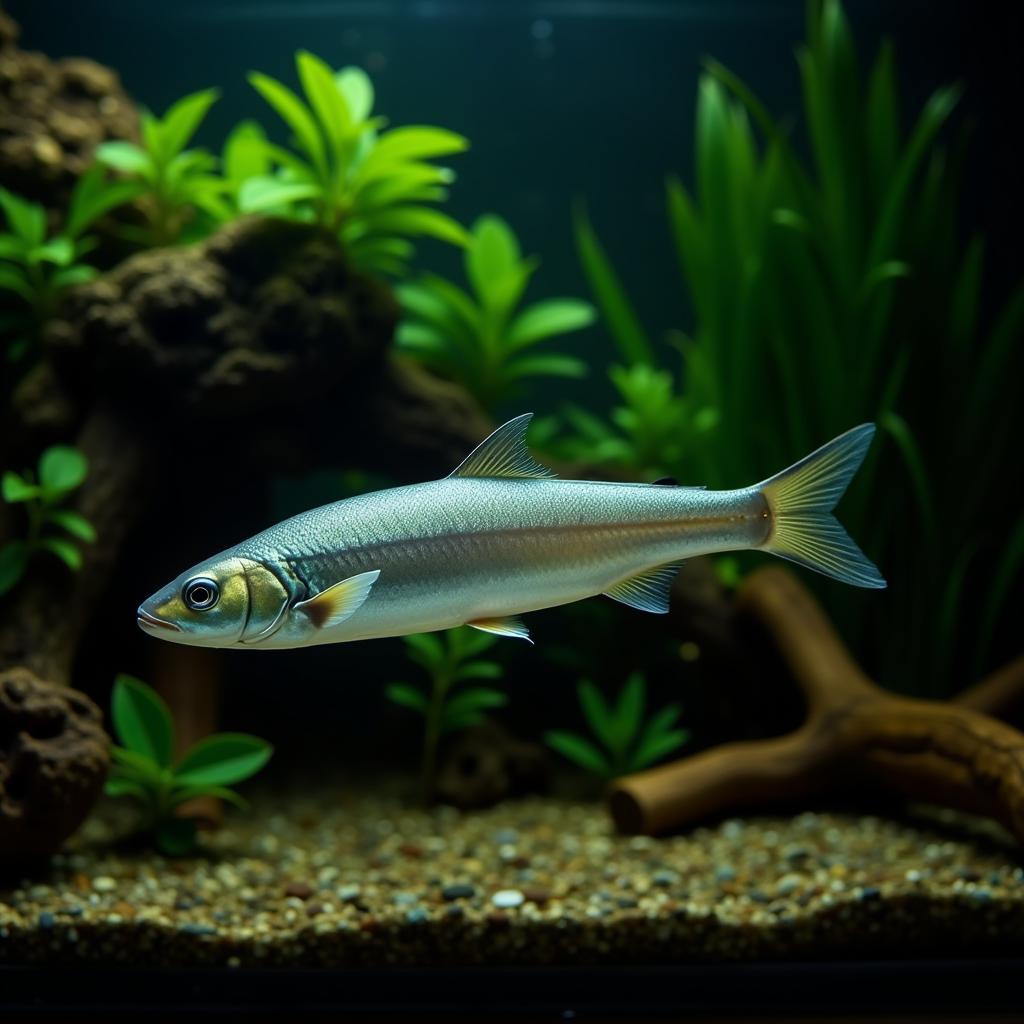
{"points": [[855, 735]]}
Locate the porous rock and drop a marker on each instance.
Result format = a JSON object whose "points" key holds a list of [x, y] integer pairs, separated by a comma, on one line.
{"points": [[53, 762], [265, 313], [53, 114]]}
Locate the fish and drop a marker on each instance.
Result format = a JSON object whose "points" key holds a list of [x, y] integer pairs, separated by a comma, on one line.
{"points": [[499, 537]]}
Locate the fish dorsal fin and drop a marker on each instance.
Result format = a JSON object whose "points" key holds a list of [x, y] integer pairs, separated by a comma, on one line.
{"points": [[505, 626], [504, 453], [339, 602], [648, 592], [666, 481]]}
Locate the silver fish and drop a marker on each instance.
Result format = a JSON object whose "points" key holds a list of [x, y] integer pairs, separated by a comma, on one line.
{"points": [[499, 537]]}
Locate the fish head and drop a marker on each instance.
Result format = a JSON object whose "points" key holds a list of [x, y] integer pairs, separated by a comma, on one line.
{"points": [[218, 603]]}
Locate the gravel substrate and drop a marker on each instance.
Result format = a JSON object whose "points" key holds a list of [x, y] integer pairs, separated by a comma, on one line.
{"points": [[363, 879]]}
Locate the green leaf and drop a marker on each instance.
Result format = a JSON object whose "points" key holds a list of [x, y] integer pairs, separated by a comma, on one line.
{"points": [[64, 550], [94, 196], [416, 220], [407, 696], [425, 649], [492, 257], [356, 87], [176, 837], [119, 785], [222, 760], [124, 156], [454, 723], [656, 747], [61, 469], [182, 120], [548, 318], [15, 488], [901, 433], [68, 277], [27, 220], [479, 670], [14, 556], [296, 115], [142, 721], [15, 279], [59, 251], [265, 193], [326, 100], [610, 296], [245, 153], [580, 751], [137, 766], [477, 699], [75, 524], [551, 365], [414, 142], [628, 713], [182, 794], [596, 712]]}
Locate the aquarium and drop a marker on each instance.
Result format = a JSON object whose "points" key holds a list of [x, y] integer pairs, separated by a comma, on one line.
{"points": [[510, 507]]}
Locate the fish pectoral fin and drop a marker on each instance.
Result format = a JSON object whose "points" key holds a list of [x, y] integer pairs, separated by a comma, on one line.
{"points": [[507, 625], [504, 453], [649, 591], [337, 603]]}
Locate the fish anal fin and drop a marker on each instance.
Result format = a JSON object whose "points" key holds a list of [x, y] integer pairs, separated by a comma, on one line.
{"points": [[648, 591], [504, 453], [337, 603], [507, 625]]}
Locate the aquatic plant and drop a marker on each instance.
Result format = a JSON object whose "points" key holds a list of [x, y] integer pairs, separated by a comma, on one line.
{"points": [[477, 338], [42, 494], [145, 769], [38, 265], [835, 293], [448, 662], [654, 433], [180, 190], [369, 184], [629, 744]]}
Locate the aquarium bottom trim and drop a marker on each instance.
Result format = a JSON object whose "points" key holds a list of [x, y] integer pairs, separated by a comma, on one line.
{"points": [[920, 985]]}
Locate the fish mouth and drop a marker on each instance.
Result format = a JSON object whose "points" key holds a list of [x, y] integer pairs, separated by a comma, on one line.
{"points": [[148, 622]]}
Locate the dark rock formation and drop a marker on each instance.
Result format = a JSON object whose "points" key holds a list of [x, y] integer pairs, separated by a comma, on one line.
{"points": [[53, 762], [54, 114], [486, 764], [212, 367]]}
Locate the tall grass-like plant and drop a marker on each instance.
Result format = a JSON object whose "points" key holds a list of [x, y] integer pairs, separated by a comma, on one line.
{"points": [[478, 337], [832, 292], [345, 169]]}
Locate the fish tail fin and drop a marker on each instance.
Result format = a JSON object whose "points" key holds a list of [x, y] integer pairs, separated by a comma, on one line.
{"points": [[800, 503]]}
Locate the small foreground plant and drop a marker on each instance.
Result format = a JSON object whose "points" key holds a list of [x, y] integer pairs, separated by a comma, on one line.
{"points": [[448, 663], [144, 766], [478, 339], [629, 745], [37, 265], [345, 172], [42, 494], [177, 186]]}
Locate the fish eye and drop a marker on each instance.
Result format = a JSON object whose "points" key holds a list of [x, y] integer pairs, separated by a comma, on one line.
{"points": [[201, 593]]}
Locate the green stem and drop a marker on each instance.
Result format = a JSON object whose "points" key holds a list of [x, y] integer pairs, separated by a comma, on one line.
{"points": [[432, 734]]}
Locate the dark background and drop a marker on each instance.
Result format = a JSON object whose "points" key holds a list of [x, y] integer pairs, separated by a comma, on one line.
{"points": [[561, 100]]}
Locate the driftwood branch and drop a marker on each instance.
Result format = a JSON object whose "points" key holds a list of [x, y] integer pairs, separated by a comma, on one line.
{"points": [[854, 734]]}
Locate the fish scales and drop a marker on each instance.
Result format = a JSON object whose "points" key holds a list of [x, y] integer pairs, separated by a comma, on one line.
{"points": [[498, 538]]}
